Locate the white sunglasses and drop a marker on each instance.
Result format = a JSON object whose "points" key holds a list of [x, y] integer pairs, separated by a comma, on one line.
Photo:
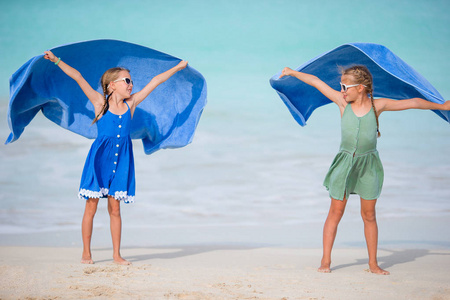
{"points": [[345, 87], [126, 79]]}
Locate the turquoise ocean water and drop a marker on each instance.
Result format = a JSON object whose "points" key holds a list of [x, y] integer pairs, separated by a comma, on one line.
{"points": [[250, 165]]}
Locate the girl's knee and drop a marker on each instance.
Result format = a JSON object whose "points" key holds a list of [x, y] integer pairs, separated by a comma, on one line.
{"points": [[114, 212], [368, 213], [91, 206], [369, 216], [113, 207], [337, 208], [337, 212]]}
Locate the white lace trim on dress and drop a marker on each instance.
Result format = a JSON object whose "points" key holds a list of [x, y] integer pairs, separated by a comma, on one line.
{"points": [[121, 196]]}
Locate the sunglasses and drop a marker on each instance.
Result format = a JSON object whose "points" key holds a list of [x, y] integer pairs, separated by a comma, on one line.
{"points": [[127, 80], [345, 87]]}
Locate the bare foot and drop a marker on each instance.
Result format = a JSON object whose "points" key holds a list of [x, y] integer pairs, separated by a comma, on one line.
{"points": [[122, 262], [379, 271], [86, 257], [87, 261], [324, 268]]}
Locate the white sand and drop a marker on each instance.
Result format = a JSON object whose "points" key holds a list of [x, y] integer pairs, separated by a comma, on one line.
{"points": [[221, 272]]}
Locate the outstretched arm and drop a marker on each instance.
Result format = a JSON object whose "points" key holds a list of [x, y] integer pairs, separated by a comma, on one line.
{"points": [[384, 104], [314, 81], [157, 80], [95, 97]]}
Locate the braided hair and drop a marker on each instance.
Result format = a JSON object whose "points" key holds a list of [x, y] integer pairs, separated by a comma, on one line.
{"points": [[107, 77], [362, 75]]}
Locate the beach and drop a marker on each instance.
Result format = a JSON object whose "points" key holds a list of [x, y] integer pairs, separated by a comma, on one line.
{"points": [[200, 272], [238, 213], [276, 262], [228, 217]]}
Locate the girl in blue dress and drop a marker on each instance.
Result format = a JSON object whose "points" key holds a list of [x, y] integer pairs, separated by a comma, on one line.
{"points": [[109, 168]]}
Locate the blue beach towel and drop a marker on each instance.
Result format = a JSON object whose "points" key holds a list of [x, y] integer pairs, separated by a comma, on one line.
{"points": [[392, 78], [166, 119]]}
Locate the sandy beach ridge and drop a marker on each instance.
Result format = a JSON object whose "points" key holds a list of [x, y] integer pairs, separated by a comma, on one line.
{"points": [[221, 272]]}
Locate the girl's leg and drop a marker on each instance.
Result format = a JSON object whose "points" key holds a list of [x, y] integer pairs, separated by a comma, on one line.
{"points": [[116, 229], [371, 233], [86, 229], [335, 214]]}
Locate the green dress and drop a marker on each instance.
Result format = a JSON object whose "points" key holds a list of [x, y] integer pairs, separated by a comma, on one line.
{"points": [[357, 168]]}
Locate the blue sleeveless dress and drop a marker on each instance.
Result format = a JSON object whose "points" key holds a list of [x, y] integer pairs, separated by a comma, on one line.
{"points": [[109, 167]]}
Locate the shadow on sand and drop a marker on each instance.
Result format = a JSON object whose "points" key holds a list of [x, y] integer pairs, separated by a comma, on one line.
{"points": [[395, 257]]}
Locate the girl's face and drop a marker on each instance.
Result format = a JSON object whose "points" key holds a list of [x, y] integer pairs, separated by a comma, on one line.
{"points": [[351, 93], [121, 86]]}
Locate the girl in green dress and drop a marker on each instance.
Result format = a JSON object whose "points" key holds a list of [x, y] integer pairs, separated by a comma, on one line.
{"points": [[357, 168]]}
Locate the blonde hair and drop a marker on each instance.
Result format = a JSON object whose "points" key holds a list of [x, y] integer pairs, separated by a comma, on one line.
{"points": [[108, 77], [362, 75]]}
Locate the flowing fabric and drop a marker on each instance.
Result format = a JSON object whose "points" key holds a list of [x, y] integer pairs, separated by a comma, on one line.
{"points": [[392, 78], [166, 119]]}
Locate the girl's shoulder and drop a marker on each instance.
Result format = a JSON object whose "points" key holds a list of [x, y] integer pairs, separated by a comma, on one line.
{"points": [[381, 104], [131, 104]]}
